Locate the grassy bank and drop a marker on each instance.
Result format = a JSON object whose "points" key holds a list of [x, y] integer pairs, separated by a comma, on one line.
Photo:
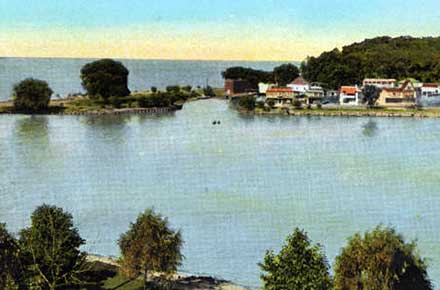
{"points": [[138, 102]]}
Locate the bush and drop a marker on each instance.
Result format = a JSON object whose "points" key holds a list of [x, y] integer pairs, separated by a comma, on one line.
{"points": [[208, 91], [380, 260], [153, 89], [297, 104], [116, 102], [150, 246], [187, 88], [105, 78], [51, 248], [319, 106], [31, 95], [299, 265], [173, 89], [247, 102]]}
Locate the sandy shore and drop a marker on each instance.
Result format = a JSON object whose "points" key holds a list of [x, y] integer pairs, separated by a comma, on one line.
{"points": [[182, 281]]}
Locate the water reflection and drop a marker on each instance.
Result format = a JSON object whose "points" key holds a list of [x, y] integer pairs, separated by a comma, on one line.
{"points": [[370, 129], [33, 129], [32, 141]]}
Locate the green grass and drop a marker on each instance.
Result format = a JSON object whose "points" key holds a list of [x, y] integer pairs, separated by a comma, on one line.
{"points": [[122, 283]]}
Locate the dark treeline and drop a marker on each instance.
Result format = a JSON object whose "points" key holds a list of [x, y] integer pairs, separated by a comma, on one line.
{"points": [[382, 57], [282, 75], [47, 255]]}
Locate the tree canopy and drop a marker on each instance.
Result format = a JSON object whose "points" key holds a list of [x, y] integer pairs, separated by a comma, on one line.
{"points": [[282, 74], [32, 95], [150, 245], [381, 57], [11, 271], [51, 248], [285, 74], [299, 265], [105, 78], [380, 260]]}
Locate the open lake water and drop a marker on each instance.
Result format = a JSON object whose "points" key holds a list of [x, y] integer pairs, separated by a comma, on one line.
{"points": [[234, 189]]}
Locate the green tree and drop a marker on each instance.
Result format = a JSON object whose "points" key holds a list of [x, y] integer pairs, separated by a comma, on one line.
{"points": [[380, 260], [51, 247], [153, 89], [11, 271], [251, 75], [150, 245], [31, 95], [298, 266], [247, 102], [370, 95], [105, 78], [285, 74]]}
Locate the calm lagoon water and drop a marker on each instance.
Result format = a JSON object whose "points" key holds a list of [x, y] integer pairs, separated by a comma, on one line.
{"points": [[235, 189]]}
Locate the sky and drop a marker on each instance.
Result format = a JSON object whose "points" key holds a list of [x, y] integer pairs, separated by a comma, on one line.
{"points": [[257, 30]]}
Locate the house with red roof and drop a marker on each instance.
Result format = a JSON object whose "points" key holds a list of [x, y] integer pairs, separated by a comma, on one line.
{"points": [[349, 96], [403, 96], [299, 86], [280, 97]]}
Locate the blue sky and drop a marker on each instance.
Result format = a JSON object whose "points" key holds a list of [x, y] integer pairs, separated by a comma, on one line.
{"points": [[304, 27]]}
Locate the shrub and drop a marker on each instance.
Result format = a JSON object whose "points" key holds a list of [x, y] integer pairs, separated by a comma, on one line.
{"points": [[208, 91], [150, 245], [247, 102], [299, 265], [173, 89], [31, 95], [105, 78], [297, 104]]}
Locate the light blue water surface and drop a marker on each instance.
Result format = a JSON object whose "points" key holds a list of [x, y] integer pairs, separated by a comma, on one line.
{"points": [[235, 189]]}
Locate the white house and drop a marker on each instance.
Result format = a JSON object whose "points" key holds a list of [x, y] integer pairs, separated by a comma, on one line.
{"points": [[349, 96], [429, 94], [380, 83], [299, 86], [263, 87]]}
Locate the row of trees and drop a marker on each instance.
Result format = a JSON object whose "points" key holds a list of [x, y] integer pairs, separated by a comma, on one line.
{"points": [[47, 254], [282, 74], [106, 83], [379, 259]]}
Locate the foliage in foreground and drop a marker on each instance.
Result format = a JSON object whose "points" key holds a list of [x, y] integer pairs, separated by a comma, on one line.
{"points": [[380, 260], [150, 246], [299, 265], [11, 272], [51, 249], [31, 95]]}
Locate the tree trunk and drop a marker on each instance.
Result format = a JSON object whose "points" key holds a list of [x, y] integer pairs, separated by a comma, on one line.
{"points": [[145, 278]]}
